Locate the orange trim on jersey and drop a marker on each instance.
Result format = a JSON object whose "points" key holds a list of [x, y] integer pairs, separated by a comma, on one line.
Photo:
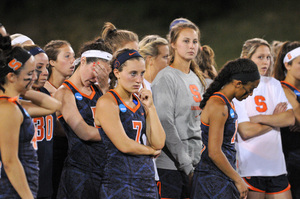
{"points": [[251, 187], [132, 109], [232, 106], [203, 149], [98, 127], [286, 189], [204, 123], [59, 116], [52, 85], [289, 84], [87, 96], [10, 99]]}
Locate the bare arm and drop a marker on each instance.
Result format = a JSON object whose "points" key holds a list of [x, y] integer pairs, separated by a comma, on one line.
{"points": [[249, 130], [107, 116], [293, 101], [282, 119], [11, 119], [155, 132], [72, 116], [40, 104], [217, 113]]}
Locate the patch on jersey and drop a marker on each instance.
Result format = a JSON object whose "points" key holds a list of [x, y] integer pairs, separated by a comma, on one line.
{"points": [[26, 113], [297, 92], [135, 102], [78, 96], [122, 108], [232, 113]]}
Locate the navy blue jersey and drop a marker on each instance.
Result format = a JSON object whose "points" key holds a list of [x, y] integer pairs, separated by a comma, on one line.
{"points": [[45, 126], [128, 176], [85, 158], [228, 146], [290, 140], [27, 155]]}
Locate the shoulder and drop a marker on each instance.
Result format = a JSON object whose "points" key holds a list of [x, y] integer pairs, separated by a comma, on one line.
{"points": [[107, 101], [270, 80], [9, 111], [63, 92], [216, 104], [166, 74]]}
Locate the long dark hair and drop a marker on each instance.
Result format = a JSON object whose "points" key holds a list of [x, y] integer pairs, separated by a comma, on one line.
{"points": [[224, 77]]}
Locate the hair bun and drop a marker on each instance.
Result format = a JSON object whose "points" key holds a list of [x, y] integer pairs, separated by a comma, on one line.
{"points": [[5, 43]]}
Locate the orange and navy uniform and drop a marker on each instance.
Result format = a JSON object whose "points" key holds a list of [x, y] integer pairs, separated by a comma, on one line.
{"points": [[83, 168], [209, 180], [128, 176], [27, 155]]}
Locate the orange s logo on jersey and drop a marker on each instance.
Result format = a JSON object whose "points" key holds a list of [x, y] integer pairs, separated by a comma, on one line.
{"points": [[260, 102], [137, 125], [195, 91]]}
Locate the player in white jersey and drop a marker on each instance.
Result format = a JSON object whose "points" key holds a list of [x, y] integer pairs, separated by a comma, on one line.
{"points": [[260, 159]]}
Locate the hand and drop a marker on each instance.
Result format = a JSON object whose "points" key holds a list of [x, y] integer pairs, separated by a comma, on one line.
{"points": [[156, 153], [242, 188], [145, 96], [102, 75], [280, 107]]}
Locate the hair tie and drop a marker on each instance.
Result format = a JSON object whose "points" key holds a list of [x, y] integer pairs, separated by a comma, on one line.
{"points": [[114, 30]]}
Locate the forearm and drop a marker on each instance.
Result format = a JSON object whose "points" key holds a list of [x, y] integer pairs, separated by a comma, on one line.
{"points": [[155, 133], [249, 130], [87, 132], [132, 147], [17, 177], [220, 160], [283, 119]]}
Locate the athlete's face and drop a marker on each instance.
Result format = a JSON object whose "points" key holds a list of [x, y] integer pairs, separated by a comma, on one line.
{"points": [[162, 59], [186, 45], [262, 58], [132, 75], [64, 63], [293, 70], [42, 63], [92, 71], [246, 90], [26, 76]]}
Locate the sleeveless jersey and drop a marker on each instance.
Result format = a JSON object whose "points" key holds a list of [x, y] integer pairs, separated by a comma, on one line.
{"points": [[228, 146], [85, 155], [45, 126], [27, 155], [290, 140], [128, 172]]}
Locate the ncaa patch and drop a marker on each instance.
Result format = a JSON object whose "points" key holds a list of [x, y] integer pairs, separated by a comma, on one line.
{"points": [[78, 96], [122, 108], [232, 113], [297, 92]]}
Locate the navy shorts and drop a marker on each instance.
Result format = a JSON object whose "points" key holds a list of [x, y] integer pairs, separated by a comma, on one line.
{"points": [[173, 184], [268, 185], [206, 186]]}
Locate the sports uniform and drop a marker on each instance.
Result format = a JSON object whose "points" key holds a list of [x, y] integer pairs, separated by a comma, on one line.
{"points": [[177, 97], [262, 156], [45, 126], [83, 168], [291, 150], [209, 181], [128, 176], [27, 155]]}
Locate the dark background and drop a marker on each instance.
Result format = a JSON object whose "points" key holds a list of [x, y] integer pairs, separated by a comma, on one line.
{"points": [[224, 24]]}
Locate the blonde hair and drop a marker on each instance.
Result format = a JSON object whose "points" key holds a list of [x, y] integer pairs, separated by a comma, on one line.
{"points": [[116, 38], [149, 45]]}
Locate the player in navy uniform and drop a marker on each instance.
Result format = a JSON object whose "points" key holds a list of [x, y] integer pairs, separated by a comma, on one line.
{"points": [[44, 125], [82, 172], [287, 71], [18, 157], [215, 175], [127, 122]]}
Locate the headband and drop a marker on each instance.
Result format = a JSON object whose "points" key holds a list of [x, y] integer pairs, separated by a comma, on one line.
{"points": [[247, 77], [128, 54], [291, 55], [98, 54], [36, 50], [177, 21], [20, 58], [19, 40]]}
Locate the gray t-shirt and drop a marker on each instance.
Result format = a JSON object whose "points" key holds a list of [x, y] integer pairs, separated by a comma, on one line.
{"points": [[177, 98]]}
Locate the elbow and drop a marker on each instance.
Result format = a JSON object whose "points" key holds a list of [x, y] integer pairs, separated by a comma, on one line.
{"points": [[212, 154], [158, 146], [58, 106], [244, 136]]}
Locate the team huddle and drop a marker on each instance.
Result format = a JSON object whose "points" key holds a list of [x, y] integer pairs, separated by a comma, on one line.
{"points": [[148, 119]]}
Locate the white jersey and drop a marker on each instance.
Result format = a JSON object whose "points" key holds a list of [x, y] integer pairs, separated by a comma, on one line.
{"points": [[261, 155]]}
